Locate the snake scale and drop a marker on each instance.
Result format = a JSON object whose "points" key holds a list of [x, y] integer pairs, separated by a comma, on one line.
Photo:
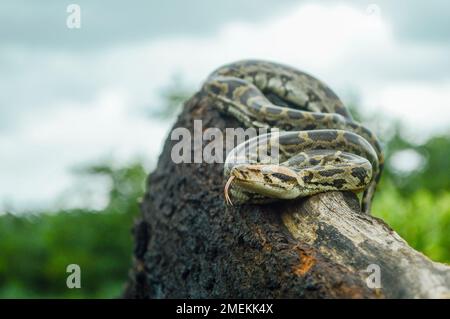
{"points": [[320, 147]]}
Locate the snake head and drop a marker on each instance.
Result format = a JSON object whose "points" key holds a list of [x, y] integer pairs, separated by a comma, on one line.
{"points": [[273, 181]]}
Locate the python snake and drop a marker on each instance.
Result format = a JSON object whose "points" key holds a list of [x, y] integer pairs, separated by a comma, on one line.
{"points": [[320, 147]]}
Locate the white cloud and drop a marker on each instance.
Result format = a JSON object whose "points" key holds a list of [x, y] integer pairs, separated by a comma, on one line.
{"points": [[79, 106], [424, 107], [35, 165]]}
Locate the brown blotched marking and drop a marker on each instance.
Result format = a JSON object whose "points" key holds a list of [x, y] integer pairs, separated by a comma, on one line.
{"points": [[274, 110], [286, 127], [331, 172], [267, 179], [339, 183], [351, 138], [246, 95], [310, 127], [308, 177], [255, 105], [340, 109], [215, 88], [326, 135], [290, 138], [284, 177], [318, 116], [232, 86], [295, 115], [312, 96], [360, 173], [354, 125], [276, 100], [339, 119], [253, 74], [244, 174], [285, 79], [295, 160]]}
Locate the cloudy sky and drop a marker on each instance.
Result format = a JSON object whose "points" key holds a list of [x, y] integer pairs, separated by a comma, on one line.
{"points": [[76, 96]]}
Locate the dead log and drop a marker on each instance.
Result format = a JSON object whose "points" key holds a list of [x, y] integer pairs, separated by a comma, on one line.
{"points": [[188, 244]]}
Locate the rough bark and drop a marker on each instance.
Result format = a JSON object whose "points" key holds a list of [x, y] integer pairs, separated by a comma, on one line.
{"points": [[190, 245]]}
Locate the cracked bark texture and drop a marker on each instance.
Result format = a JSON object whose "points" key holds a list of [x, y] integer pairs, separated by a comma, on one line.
{"points": [[188, 244]]}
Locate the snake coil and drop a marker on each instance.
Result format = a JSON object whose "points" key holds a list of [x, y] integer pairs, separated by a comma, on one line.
{"points": [[320, 147]]}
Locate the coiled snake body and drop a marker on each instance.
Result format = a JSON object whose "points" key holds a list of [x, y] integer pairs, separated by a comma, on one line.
{"points": [[320, 147]]}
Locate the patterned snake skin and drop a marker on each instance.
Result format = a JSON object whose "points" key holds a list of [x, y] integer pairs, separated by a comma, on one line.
{"points": [[320, 147]]}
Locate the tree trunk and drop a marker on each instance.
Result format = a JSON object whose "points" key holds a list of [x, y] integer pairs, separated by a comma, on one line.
{"points": [[189, 244]]}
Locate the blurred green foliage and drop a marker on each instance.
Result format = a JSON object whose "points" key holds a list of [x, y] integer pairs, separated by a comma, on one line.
{"points": [[422, 218], [36, 248], [417, 204]]}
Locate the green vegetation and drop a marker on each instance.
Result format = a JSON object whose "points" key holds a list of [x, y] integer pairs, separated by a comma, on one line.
{"points": [[417, 204], [35, 249], [422, 218]]}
